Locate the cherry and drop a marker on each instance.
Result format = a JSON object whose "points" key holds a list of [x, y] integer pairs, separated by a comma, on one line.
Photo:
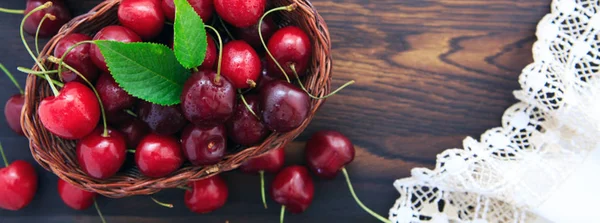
{"points": [[211, 54], [289, 45], [12, 112], [49, 27], [118, 118], [158, 156], [250, 34], [244, 128], [18, 184], [271, 162], [74, 197], [78, 58], [293, 188], [114, 33], [163, 120], [284, 106], [134, 131], [240, 13], [101, 156], [327, 152], [113, 97], [206, 195], [265, 76], [241, 65], [144, 17], [72, 114], [204, 8], [207, 101], [204, 146]]}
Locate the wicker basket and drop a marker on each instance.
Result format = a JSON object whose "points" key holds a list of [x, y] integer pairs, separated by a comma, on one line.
{"points": [[58, 155]]}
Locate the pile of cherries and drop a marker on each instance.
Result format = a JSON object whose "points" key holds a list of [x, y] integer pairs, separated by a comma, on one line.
{"points": [[237, 97]]}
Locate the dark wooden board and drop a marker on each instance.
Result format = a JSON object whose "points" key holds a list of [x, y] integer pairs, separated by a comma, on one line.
{"points": [[428, 74]]}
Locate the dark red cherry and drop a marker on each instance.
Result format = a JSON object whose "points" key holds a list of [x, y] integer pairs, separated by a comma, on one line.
{"points": [[113, 97], [144, 17], [206, 195], [240, 13], [114, 33], [78, 58], [207, 102], [12, 112], [74, 197], [293, 188], [250, 34], [327, 152], [134, 131], [265, 76], [49, 27], [241, 65], [102, 156], [204, 8], [158, 156], [284, 106], [289, 45], [163, 120], [244, 128], [18, 184], [73, 114], [204, 146], [118, 118], [271, 162]]}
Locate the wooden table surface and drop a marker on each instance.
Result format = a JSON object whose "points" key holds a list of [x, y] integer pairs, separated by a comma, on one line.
{"points": [[428, 72]]}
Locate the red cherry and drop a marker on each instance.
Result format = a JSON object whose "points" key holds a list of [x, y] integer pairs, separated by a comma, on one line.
{"points": [[206, 195], [113, 97], [240, 64], [284, 106], [204, 146], [114, 33], [289, 45], [102, 156], [78, 58], [206, 102], [73, 114], [49, 27], [269, 162], [158, 156], [211, 54], [204, 8], [244, 128], [163, 120], [18, 184], [250, 34], [144, 17], [240, 13], [293, 188], [327, 152], [134, 131], [74, 197], [12, 112]]}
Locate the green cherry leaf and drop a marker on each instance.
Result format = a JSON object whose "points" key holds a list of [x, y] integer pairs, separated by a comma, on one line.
{"points": [[148, 71], [190, 41]]}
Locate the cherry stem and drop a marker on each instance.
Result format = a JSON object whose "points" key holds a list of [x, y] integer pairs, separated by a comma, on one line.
{"points": [[161, 203], [218, 77], [12, 11], [59, 62], [288, 8], [225, 28], [262, 188], [185, 188], [99, 212], [169, 23], [37, 32], [62, 58], [131, 151], [39, 64], [379, 217], [246, 104], [130, 112], [41, 74], [3, 156], [293, 68], [282, 214], [12, 78]]}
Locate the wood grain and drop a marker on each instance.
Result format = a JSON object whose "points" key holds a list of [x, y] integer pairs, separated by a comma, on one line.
{"points": [[428, 72]]}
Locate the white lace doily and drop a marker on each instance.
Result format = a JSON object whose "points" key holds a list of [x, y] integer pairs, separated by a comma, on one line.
{"points": [[542, 163]]}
